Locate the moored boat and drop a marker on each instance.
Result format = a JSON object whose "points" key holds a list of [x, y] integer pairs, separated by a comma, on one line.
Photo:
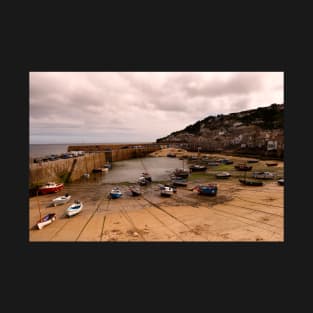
{"points": [[252, 161], [271, 164], [50, 187], [197, 168], [115, 193], [180, 172], [61, 200], [135, 191], [166, 191], [263, 175], [74, 208], [281, 181], [243, 167], [179, 182], [207, 190], [46, 220], [250, 182], [223, 175]]}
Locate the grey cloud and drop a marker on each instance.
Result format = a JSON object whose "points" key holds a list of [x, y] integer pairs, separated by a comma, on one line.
{"points": [[133, 105]]}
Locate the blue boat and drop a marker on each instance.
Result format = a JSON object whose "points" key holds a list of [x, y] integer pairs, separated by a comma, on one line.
{"points": [[208, 190], [115, 193]]}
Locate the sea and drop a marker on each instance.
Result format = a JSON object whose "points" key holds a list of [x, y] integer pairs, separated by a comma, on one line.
{"points": [[41, 150]]}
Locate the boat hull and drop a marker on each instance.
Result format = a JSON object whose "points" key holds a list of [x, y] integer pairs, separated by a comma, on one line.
{"points": [[59, 201], [47, 190], [71, 212], [42, 223]]}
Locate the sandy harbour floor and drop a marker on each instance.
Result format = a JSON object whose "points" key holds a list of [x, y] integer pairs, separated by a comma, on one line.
{"points": [[238, 213]]}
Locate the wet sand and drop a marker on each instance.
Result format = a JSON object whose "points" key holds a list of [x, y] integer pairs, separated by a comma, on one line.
{"points": [[238, 213]]}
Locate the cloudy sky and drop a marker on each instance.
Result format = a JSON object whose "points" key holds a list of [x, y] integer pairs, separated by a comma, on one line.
{"points": [[104, 107]]}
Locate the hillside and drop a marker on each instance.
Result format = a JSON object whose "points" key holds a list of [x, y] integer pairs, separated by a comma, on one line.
{"points": [[253, 132]]}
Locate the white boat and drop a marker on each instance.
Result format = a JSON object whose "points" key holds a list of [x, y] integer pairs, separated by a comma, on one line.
{"points": [[166, 191], [61, 200], [46, 220], [263, 175], [75, 208]]}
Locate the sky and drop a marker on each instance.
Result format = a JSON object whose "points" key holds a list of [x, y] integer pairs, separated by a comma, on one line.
{"points": [[123, 107]]}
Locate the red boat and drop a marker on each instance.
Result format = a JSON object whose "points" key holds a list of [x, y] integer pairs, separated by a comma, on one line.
{"points": [[50, 188]]}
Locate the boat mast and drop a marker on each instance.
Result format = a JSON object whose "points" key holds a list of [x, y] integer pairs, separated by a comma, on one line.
{"points": [[38, 206]]}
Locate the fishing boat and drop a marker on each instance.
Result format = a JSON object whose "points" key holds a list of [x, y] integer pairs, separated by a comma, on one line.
{"points": [[50, 187], [147, 176], [263, 175], [243, 167], [180, 172], [115, 193], [207, 190], [166, 191], [281, 181], [135, 191], [226, 161], [46, 220], [61, 200], [179, 182], [213, 163], [197, 168], [75, 208], [223, 175], [250, 182], [271, 164]]}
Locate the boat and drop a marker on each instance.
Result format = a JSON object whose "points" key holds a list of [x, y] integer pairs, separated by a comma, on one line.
{"points": [[213, 163], [115, 193], [252, 161], [46, 220], [223, 175], [271, 164], [107, 165], [171, 155], [225, 161], [281, 181], [100, 169], [179, 182], [180, 172], [250, 182], [243, 167], [166, 191], [207, 190], [263, 175], [86, 175], [50, 187], [135, 191], [147, 176], [197, 168], [74, 208], [61, 200]]}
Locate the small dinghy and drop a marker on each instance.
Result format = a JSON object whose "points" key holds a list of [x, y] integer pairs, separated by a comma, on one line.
{"points": [[166, 191], [61, 200], [243, 167], [281, 181], [263, 175], [252, 161], [179, 182], [223, 175], [250, 182], [197, 168], [75, 208], [46, 220], [115, 193], [135, 191], [207, 190], [271, 164]]}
